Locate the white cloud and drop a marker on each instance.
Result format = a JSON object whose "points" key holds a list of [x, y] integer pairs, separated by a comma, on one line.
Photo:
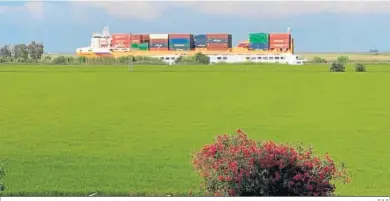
{"points": [[34, 8], [261, 9], [8, 9], [155, 9], [277, 9], [131, 9]]}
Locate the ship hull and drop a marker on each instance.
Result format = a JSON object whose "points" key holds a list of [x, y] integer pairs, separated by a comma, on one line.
{"points": [[123, 53]]}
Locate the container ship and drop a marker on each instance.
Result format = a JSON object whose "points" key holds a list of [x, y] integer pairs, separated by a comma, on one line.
{"points": [[260, 47]]}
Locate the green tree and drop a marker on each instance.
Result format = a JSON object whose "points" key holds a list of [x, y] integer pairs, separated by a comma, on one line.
{"points": [[360, 68], [337, 67], [21, 51], [5, 51], [343, 60], [201, 58], [318, 60], [35, 50]]}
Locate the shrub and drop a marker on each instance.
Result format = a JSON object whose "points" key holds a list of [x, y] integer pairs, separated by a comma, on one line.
{"points": [[318, 60], [360, 68], [2, 174], [197, 59], [343, 60], [337, 67], [237, 166]]}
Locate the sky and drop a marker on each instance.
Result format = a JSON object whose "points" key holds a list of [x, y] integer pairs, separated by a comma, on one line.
{"points": [[317, 26]]}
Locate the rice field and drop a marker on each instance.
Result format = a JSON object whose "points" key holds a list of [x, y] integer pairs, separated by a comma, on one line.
{"points": [[77, 130], [356, 57]]}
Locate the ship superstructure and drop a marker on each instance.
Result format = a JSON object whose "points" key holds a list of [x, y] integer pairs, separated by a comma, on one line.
{"points": [[261, 47]]}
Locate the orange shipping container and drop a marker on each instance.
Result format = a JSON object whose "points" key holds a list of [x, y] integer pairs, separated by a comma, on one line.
{"points": [[284, 46]]}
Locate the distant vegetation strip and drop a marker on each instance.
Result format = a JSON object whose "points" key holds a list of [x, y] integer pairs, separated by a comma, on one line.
{"points": [[33, 53]]}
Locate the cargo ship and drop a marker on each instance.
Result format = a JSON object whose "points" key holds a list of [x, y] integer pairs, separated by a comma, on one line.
{"points": [[260, 47]]}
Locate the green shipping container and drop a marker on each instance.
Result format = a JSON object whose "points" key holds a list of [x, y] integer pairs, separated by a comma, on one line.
{"points": [[143, 46], [258, 38], [134, 45]]}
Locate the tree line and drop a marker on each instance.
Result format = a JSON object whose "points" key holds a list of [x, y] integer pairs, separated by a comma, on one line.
{"points": [[21, 53], [33, 54]]}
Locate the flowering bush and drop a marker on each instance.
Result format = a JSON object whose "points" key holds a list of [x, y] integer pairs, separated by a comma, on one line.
{"points": [[237, 166]]}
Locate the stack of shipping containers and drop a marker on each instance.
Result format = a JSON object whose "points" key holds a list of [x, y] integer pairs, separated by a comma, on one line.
{"points": [[120, 40], [158, 42], [140, 42], [280, 41], [258, 41], [212, 42], [181, 42], [219, 42], [200, 41]]}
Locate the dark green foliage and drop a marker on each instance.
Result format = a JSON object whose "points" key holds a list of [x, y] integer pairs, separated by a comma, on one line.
{"points": [[2, 174], [196, 59], [201, 58], [337, 67], [21, 53], [126, 60], [360, 68], [318, 60]]}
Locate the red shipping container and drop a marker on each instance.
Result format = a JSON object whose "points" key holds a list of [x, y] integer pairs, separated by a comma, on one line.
{"points": [[218, 36], [120, 36], [145, 38], [284, 46], [135, 41], [279, 41], [120, 41], [279, 36], [217, 45], [159, 49], [159, 41], [179, 35], [121, 45], [136, 37]]}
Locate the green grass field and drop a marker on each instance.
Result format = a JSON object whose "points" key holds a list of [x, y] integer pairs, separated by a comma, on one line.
{"points": [[76, 130]]}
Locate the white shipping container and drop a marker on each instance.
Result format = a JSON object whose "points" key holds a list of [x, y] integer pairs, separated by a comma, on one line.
{"points": [[158, 36]]}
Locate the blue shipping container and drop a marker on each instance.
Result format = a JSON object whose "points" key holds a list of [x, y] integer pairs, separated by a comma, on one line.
{"points": [[179, 40], [200, 41], [200, 37], [258, 45]]}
